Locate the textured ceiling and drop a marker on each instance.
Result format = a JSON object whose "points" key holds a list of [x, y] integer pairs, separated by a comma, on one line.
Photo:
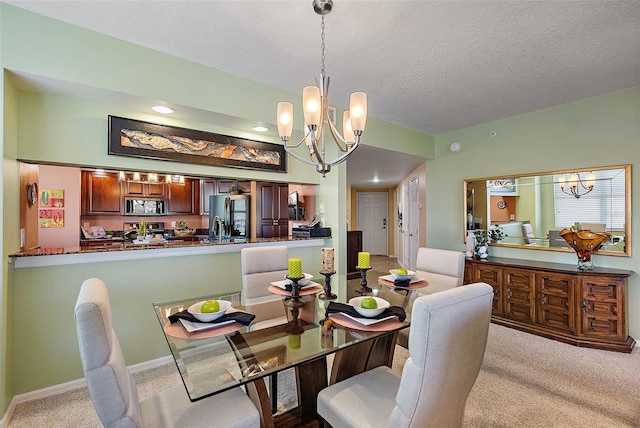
{"points": [[432, 66]]}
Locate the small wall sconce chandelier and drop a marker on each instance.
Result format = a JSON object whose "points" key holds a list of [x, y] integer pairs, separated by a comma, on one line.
{"points": [[576, 183], [315, 100]]}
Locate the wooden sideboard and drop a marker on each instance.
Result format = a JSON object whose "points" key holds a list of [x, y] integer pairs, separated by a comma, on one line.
{"points": [[558, 301]]}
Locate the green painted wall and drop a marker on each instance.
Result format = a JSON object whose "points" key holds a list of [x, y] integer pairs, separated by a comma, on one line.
{"points": [[598, 131], [83, 77], [71, 127]]}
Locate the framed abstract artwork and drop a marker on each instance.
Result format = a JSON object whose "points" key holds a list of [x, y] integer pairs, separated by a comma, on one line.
{"points": [[128, 137]]}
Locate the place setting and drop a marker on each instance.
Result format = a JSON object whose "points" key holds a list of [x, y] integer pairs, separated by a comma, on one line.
{"points": [[368, 313], [207, 318], [403, 279], [296, 283]]}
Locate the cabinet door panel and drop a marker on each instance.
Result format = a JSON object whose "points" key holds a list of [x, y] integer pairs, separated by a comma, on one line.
{"points": [[602, 300], [207, 189], [101, 193], [519, 287], [272, 209], [181, 198], [555, 301], [493, 276]]}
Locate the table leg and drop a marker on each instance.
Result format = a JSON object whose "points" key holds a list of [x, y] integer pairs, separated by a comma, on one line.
{"points": [[311, 378]]}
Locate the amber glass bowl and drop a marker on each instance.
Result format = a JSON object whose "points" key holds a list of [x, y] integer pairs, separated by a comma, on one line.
{"points": [[584, 242]]}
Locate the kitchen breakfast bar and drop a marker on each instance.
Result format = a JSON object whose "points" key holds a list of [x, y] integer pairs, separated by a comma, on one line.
{"points": [[44, 284], [118, 250]]}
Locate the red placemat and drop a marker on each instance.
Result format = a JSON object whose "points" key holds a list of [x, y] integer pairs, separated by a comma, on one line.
{"points": [[177, 330], [412, 286], [386, 325], [304, 292]]}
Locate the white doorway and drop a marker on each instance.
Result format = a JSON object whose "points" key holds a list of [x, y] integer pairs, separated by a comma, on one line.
{"points": [[373, 221]]}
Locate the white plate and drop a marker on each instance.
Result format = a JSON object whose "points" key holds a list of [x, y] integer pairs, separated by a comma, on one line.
{"points": [[367, 321], [391, 279], [283, 284], [191, 326]]}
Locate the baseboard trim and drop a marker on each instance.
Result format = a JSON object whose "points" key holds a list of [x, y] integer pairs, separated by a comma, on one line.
{"points": [[71, 385]]}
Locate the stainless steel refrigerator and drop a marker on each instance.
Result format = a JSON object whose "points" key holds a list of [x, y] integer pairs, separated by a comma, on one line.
{"points": [[229, 216]]}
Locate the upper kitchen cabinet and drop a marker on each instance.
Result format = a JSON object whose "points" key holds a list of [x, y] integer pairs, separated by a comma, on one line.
{"points": [[220, 186], [272, 209], [145, 190], [183, 198], [101, 193]]}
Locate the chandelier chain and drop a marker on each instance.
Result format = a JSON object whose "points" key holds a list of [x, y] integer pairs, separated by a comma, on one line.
{"points": [[322, 45]]}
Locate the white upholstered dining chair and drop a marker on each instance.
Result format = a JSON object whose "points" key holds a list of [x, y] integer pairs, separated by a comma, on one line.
{"points": [[443, 270], [113, 389], [446, 346], [260, 267]]}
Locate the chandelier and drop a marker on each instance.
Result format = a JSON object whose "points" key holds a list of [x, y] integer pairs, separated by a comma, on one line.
{"points": [[575, 183], [315, 100]]}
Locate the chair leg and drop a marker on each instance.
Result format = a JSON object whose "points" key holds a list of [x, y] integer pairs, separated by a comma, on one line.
{"points": [[273, 386]]}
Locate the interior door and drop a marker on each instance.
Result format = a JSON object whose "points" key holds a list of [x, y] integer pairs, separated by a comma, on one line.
{"points": [[414, 222], [373, 221]]}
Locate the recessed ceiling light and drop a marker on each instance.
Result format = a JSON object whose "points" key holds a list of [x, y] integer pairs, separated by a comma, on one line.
{"points": [[162, 109], [260, 128]]}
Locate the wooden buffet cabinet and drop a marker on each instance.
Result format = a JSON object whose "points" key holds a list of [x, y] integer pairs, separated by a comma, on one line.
{"points": [[583, 308]]}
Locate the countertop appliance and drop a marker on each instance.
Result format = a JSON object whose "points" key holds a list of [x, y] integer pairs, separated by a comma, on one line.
{"points": [[130, 230], [145, 207], [311, 232], [229, 216]]}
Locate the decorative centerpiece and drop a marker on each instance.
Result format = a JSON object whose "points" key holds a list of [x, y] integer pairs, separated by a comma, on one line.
{"points": [[327, 270], [294, 275], [481, 249], [584, 242], [364, 264]]}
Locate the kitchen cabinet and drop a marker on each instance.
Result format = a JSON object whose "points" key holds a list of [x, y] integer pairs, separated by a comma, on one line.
{"points": [[181, 198], [583, 308], [145, 190], [101, 193], [210, 187], [272, 206], [207, 188]]}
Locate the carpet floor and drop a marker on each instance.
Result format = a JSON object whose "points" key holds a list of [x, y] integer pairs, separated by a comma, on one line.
{"points": [[525, 381]]}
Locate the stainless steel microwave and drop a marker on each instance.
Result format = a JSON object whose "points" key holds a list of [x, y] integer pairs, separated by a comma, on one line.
{"points": [[133, 206]]}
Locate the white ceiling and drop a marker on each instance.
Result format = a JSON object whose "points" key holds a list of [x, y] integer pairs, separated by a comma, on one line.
{"points": [[432, 66]]}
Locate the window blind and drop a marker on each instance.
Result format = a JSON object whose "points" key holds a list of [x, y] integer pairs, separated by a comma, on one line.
{"points": [[604, 204]]}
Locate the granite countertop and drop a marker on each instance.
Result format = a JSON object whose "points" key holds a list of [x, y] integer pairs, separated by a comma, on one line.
{"points": [[118, 244]]}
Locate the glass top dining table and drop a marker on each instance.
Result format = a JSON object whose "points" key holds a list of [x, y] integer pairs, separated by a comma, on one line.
{"points": [[214, 359]]}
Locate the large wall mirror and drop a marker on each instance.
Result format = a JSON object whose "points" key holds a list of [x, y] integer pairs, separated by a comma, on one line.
{"points": [[531, 209]]}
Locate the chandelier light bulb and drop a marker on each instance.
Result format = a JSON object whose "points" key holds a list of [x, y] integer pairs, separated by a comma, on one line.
{"points": [[285, 119], [347, 129], [358, 109], [311, 101], [591, 180]]}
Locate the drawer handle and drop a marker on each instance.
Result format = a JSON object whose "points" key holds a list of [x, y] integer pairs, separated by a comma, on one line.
{"points": [[584, 306]]}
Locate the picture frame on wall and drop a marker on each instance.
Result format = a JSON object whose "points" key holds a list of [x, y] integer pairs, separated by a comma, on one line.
{"points": [[135, 138]]}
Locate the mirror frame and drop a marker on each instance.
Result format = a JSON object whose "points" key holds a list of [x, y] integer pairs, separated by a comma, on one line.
{"points": [[627, 228]]}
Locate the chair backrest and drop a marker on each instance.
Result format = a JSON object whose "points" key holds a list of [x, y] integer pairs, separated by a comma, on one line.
{"points": [[446, 345], [260, 267], [527, 232], [442, 267], [111, 386]]}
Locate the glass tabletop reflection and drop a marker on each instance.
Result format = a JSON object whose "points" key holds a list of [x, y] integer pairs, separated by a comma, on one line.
{"points": [[216, 359]]}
